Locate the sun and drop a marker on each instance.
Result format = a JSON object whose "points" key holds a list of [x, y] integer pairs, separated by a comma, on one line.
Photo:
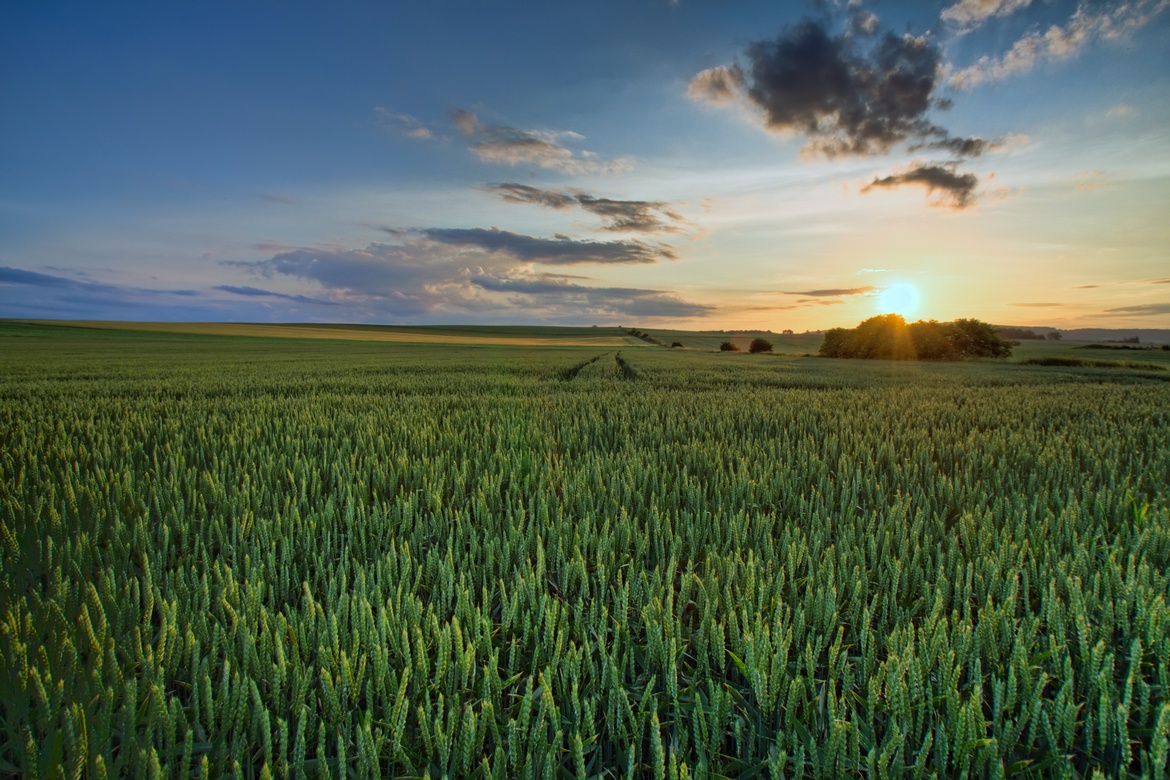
{"points": [[900, 298]]}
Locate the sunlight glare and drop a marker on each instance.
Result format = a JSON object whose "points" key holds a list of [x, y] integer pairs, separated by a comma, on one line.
{"points": [[900, 298]]}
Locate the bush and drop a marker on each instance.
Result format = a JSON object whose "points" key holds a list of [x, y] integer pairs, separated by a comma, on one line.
{"points": [[727, 346], [888, 337], [676, 344], [760, 345]]}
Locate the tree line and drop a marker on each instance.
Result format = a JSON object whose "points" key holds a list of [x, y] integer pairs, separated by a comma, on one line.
{"points": [[890, 337]]}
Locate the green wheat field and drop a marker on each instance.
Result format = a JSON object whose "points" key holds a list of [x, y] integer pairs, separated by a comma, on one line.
{"points": [[576, 553]]}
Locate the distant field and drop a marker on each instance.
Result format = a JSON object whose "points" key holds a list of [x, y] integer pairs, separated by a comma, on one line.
{"points": [[470, 334], [246, 556]]}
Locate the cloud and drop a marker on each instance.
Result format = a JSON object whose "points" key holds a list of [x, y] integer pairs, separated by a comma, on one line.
{"points": [[835, 292], [1095, 179], [9, 275], [505, 145], [844, 93], [523, 193], [1144, 309], [49, 294], [719, 86], [1120, 282], [1059, 41], [969, 14], [404, 123], [957, 189], [550, 251], [548, 291], [638, 216], [424, 278], [256, 292]]}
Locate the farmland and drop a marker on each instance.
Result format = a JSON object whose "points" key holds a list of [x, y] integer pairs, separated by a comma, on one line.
{"points": [[225, 554]]}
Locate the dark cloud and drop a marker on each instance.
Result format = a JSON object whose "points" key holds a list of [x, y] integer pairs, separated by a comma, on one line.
{"points": [[1143, 309], [513, 146], [851, 89], [550, 251], [637, 216], [848, 97], [957, 189], [256, 292], [835, 292]]}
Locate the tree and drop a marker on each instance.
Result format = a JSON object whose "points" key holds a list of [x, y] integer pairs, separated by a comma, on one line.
{"points": [[1054, 335], [888, 337], [676, 344], [760, 345], [727, 346]]}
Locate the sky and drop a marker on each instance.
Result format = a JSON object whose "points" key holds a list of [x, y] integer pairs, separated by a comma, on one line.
{"points": [[697, 164]]}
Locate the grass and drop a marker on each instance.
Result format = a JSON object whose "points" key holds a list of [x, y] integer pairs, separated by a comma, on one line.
{"points": [[307, 557]]}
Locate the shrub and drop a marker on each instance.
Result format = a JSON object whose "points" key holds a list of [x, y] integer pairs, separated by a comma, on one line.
{"points": [[889, 337], [727, 346], [676, 344], [760, 345]]}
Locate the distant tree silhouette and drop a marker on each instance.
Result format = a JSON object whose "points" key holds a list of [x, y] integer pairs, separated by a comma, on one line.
{"points": [[888, 337], [727, 346], [1054, 335], [760, 345]]}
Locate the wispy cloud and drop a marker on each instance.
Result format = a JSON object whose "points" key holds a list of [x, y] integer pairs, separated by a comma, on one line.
{"points": [[53, 295], [506, 145], [9, 275], [592, 301], [957, 190], [636, 216], [550, 251], [406, 124], [425, 278], [1060, 41], [969, 14], [835, 292], [1038, 305], [256, 292], [1141, 310]]}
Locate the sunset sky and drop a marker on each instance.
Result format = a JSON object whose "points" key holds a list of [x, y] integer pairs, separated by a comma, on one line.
{"points": [[644, 162]]}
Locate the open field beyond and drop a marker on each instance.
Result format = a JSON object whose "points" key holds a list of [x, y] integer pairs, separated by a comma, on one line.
{"points": [[537, 555]]}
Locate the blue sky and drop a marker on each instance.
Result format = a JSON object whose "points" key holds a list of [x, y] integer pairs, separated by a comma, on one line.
{"points": [[699, 164]]}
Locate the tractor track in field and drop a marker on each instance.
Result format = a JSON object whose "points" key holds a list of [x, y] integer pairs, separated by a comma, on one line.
{"points": [[628, 371], [569, 374]]}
